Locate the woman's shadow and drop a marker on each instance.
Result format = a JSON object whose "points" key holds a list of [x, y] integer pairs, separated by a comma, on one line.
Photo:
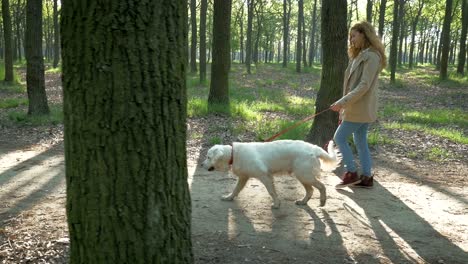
{"points": [[400, 231]]}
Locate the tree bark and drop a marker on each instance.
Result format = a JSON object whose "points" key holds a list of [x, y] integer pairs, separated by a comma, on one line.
{"points": [[193, 43], [383, 6], [414, 25], [312, 35], [445, 40], [203, 10], [334, 37], [462, 52], [125, 100], [248, 46], [402, 22], [219, 86], [394, 44], [7, 33], [299, 35], [56, 37], [286, 16], [369, 11], [35, 61]]}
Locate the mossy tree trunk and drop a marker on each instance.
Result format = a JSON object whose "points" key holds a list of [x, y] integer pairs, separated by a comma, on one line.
{"points": [[124, 66], [334, 42], [35, 61]]}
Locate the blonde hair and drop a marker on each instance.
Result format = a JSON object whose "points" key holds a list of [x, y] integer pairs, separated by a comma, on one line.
{"points": [[371, 41]]}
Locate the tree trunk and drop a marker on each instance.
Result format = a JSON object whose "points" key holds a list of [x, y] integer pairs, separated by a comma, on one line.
{"points": [[445, 40], [56, 36], [203, 10], [299, 35], [241, 40], [312, 35], [219, 87], [383, 6], [402, 22], [462, 53], [414, 25], [193, 43], [286, 15], [19, 35], [35, 60], [334, 40], [248, 46], [128, 199], [394, 45], [7, 33], [369, 11], [304, 41]]}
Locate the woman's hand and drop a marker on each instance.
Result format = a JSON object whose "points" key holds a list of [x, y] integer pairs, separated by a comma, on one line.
{"points": [[335, 107]]}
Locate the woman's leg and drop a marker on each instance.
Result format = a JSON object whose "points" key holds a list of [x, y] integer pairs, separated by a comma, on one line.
{"points": [[341, 136], [360, 140]]}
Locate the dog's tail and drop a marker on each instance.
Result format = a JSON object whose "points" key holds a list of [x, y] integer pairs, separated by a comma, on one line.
{"points": [[330, 160]]}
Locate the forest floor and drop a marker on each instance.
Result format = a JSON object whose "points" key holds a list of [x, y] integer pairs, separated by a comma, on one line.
{"points": [[417, 212]]}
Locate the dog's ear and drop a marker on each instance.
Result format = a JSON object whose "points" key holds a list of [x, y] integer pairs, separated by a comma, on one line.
{"points": [[217, 153]]}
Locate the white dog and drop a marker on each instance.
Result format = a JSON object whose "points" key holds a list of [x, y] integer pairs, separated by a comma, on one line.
{"points": [[262, 160]]}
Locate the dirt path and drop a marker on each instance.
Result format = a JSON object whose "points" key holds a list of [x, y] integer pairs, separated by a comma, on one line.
{"points": [[416, 213], [398, 221]]}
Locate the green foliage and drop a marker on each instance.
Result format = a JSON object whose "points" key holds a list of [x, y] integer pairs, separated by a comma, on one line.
{"points": [[12, 102], [438, 154], [268, 128], [55, 117]]}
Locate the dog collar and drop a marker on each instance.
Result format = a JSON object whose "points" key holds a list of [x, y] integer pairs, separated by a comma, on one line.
{"points": [[231, 160]]}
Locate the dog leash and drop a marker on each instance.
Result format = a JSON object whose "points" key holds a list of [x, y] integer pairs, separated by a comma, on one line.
{"points": [[295, 125]]}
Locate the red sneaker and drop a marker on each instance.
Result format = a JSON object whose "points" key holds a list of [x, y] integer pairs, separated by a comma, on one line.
{"points": [[366, 182], [349, 178]]}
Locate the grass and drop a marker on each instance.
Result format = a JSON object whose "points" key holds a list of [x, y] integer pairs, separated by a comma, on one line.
{"points": [[55, 117], [445, 123], [12, 102]]}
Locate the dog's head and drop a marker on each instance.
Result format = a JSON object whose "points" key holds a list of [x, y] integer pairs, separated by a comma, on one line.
{"points": [[218, 158]]}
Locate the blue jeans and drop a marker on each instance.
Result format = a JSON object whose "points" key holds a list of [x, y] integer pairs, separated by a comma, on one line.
{"points": [[359, 131]]}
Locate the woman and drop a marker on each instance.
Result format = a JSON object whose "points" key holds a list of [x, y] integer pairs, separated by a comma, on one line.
{"points": [[358, 106]]}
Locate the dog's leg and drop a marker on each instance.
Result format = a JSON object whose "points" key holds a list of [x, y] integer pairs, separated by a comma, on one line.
{"points": [[323, 191], [270, 186], [309, 191], [241, 181]]}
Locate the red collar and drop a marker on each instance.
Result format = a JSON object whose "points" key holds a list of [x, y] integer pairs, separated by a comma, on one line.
{"points": [[232, 155]]}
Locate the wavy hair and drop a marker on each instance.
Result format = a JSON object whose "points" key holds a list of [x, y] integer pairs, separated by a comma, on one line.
{"points": [[371, 41]]}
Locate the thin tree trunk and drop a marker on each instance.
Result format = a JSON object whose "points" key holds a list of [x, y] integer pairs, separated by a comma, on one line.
{"points": [[312, 35], [248, 53], [445, 40], [7, 33], [193, 42], [286, 16], [299, 35], [383, 6], [462, 53], [203, 10], [56, 36], [369, 11], [394, 45], [414, 25], [128, 200], [35, 61]]}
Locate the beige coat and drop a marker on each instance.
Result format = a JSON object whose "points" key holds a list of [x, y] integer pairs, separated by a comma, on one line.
{"points": [[360, 85]]}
